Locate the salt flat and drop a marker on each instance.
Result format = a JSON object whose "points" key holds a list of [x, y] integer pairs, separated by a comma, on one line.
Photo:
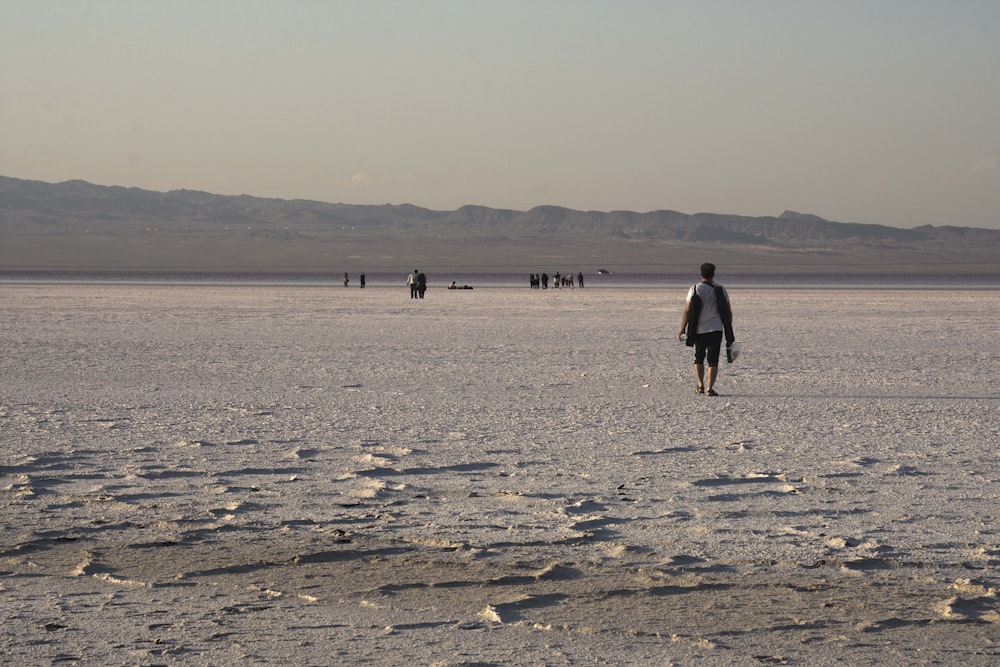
{"points": [[263, 475]]}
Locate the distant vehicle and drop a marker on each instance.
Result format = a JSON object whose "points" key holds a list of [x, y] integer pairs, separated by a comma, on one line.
{"points": [[604, 272]]}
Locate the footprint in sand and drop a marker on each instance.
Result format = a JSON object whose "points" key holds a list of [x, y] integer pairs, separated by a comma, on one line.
{"points": [[984, 608], [229, 510], [371, 488]]}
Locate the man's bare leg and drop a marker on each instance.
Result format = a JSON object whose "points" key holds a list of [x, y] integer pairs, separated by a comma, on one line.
{"points": [[699, 370], [713, 372]]}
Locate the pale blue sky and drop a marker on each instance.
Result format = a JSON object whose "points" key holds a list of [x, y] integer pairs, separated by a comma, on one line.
{"points": [[858, 111]]}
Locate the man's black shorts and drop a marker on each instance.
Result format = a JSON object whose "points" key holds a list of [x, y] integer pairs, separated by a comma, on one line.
{"points": [[708, 345]]}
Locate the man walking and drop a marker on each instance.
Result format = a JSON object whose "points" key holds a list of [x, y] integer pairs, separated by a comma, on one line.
{"points": [[707, 318]]}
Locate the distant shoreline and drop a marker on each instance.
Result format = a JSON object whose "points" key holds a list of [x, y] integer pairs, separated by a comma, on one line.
{"points": [[499, 280]]}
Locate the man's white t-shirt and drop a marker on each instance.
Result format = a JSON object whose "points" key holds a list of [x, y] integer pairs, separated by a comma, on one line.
{"points": [[709, 319]]}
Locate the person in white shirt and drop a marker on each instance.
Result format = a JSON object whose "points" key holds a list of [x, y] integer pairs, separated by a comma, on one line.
{"points": [[411, 282], [706, 320]]}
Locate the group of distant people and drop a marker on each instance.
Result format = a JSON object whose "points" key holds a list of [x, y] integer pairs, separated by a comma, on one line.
{"points": [[347, 280], [417, 282], [541, 280]]}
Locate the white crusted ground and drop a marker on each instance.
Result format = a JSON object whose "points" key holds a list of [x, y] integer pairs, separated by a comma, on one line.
{"points": [[305, 475]]}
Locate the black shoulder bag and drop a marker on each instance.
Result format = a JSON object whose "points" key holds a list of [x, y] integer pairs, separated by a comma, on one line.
{"points": [[694, 312]]}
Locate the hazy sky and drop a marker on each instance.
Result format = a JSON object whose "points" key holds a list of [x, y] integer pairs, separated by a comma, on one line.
{"points": [[854, 110]]}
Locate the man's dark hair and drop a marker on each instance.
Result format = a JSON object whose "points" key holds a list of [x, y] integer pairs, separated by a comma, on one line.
{"points": [[708, 270]]}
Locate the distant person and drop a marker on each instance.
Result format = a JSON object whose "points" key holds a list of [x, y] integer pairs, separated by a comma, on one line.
{"points": [[579, 278], [346, 280], [706, 320], [421, 284], [545, 281], [556, 279], [362, 279], [411, 282]]}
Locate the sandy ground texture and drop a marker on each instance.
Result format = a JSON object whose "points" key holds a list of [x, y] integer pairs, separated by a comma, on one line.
{"points": [[301, 475]]}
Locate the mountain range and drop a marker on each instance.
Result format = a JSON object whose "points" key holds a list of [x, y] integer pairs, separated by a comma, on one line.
{"points": [[77, 225]]}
